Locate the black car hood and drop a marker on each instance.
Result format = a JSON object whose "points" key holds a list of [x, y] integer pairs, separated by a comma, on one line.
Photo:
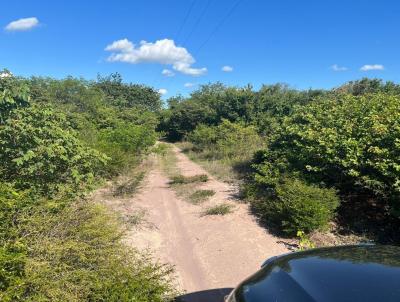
{"points": [[351, 273]]}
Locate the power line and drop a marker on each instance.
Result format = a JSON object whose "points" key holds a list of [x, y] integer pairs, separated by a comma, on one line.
{"points": [[185, 19], [223, 20], [197, 22]]}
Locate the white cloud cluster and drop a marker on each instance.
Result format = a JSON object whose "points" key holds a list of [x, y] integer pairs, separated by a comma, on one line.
{"points": [[372, 67], [227, 68], [336, 67], [22, 24], [168, 73], [162, 91], [162, 51]]}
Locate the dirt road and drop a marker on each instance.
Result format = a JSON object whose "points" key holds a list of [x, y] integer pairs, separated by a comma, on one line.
{"points": [[211, 253]]}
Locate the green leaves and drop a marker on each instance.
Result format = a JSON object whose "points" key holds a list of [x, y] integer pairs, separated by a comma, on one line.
{"points": [[40, 151], [345, 142], [13, 94]]}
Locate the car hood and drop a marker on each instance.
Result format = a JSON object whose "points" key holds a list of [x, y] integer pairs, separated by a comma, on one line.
{"points": [[351, 273]]}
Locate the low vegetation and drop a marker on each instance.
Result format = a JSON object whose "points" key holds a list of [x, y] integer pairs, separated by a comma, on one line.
{"points": [[181, 179], [220, 209]]}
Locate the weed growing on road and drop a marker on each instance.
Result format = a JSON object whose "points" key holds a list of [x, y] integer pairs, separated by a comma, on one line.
{"points": [[180, 179], [200, 196], [221, 209]]}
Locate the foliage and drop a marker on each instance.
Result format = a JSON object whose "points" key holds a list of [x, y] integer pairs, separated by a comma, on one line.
{"points": [[305, 242], [76, 246], [227, 140], [39, 150], [124, 95], [124, 143], [213, 103], [293, 205], [348, 142], [53, 246], [13, 94], [368, 86]]}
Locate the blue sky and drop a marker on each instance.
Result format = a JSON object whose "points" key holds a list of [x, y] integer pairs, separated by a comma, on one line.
{"points": [[296, 42]]}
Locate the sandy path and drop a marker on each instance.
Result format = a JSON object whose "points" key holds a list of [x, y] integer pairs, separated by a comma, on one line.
{"points": [[209, 252]]}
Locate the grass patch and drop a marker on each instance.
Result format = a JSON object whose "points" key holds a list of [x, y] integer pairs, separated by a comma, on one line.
{"points": [[130, 186], [180, 179], [200, 196], [221, 209]]}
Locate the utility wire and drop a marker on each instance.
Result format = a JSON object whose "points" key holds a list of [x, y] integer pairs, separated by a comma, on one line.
{"points": [[185, 19], [223, 20], [197, 22]]}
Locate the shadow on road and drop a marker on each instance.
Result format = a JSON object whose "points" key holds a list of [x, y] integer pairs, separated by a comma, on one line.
{"points": [[211, 295]]}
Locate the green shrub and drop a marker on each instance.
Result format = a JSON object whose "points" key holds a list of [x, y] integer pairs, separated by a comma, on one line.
{"points": [[221, 209], [227, 140], [13, 94], [294, 205], [39, 150], [124, 144], [71, 251]]}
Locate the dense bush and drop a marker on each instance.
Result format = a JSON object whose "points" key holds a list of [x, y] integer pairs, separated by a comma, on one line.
{"points": [[124, 95], [348, 142], [39, 150], [293, 205], [67, 251], [228, 140], [124, 143], [13, 94], [95, 111]]}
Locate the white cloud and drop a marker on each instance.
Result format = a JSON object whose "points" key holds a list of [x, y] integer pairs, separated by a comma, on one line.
{"points": [[22, 24], [188, 85], [162, 51], [162, 91], [372, 67], [227, 68], [336, 67], [168, 73]]}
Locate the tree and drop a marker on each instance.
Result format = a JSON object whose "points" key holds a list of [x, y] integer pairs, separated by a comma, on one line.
{"points": [[128, 95]]}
